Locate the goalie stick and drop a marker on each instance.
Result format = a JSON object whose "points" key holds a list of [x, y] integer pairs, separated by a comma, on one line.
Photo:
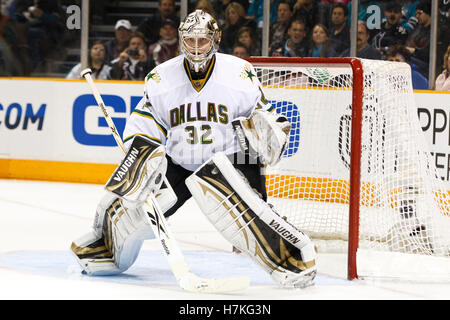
{"points": [[186, 279]]}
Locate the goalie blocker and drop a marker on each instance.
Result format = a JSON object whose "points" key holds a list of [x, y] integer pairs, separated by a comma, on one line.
{"points": [[251, 225], [120, 224]]}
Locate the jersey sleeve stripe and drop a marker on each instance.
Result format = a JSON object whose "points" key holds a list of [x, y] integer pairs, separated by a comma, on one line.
{"points": [[150, 116], [144, 135]]}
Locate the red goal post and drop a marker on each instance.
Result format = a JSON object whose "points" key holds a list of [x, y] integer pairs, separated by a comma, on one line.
{"points": [[376, 87]]}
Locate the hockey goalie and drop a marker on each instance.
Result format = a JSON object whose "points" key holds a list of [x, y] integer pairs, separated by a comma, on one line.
{"points": [[203, 129]]}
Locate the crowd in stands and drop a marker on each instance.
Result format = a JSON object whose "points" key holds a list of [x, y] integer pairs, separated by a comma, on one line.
{"points": [[31, 31]]}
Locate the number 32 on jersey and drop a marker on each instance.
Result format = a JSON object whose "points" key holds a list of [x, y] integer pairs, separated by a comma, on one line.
{"points": [[189, 114]]}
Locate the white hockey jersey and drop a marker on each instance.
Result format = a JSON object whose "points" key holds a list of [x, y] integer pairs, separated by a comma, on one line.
{"points": [[193, 117]]}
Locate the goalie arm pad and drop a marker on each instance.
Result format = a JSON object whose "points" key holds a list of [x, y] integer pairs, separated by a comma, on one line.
{"points": [[141, 171], [251, 225], [266, 133]]}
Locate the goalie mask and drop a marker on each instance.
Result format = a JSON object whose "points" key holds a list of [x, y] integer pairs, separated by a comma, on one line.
{"points": [[199, 39]]}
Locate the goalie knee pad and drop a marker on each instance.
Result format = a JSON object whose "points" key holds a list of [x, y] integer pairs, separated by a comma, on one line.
{"points": [[251, 225], [112, 246]]}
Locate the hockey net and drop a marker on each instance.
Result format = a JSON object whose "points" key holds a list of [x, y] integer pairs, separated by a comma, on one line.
{"points": [[358, 174]]}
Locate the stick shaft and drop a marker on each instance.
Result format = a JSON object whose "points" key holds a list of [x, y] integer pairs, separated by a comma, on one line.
{"points": [[170, 248], [101, 104]]}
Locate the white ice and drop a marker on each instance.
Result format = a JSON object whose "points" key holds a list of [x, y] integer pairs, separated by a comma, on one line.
{"points": [[39, 220]]}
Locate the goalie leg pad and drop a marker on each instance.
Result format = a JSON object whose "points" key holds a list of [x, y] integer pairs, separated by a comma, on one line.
{"points": [[121, 223], [251, 225], [112, 246]]}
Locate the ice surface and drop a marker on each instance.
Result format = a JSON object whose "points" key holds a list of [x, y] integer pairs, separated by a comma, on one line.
{"points": [[39, 220]]}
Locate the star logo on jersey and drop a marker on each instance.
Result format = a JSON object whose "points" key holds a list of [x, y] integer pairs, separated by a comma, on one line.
{"points": [[247, 73], [153, 75]]}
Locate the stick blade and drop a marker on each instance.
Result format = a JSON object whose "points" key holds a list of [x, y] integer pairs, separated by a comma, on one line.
{"points": [[193, 283]]}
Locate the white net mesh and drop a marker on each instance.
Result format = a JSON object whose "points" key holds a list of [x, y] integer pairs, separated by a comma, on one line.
{"points": [[404, 207]]}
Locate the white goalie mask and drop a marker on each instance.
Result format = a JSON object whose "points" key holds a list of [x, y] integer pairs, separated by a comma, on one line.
{"points": [[199, 39]]}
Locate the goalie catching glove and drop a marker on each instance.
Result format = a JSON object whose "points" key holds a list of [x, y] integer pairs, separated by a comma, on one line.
{"points": [[266, 133], [120, 224]]}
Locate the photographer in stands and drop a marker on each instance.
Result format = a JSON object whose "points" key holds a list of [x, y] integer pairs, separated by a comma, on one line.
{"points": [[133, 63]]}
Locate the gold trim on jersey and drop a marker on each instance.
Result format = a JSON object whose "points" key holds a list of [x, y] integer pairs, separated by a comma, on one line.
{"points": [[198, 84], [150, 116], [144, 135]]}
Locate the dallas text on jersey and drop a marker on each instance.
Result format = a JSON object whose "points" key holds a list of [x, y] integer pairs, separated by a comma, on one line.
{"points": [[184, 113]]}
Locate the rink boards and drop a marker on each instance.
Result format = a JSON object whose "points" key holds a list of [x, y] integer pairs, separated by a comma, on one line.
{"points": [[52, 129]]}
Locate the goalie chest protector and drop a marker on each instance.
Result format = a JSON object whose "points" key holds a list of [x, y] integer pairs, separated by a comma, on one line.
{"points": [[197, 114]]}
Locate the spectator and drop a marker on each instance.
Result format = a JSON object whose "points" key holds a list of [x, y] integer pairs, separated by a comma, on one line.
{"points": [[326, 6], [221, 5], [311, 12], [206, 6], [399, 53], [443, 80], [240, 50], [321, 46], [255, 12], [96, 62], [235, 19], [391, 32], [43, 27], [418, 42], [167, 46], [7, 28], [443, 39], [296, 45], [150, 26], [365, 15], [409, 14], [123, 32], [363, 48], [9, 65], [340, 29], [133, 63], [284, 15], [247, 37]]}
